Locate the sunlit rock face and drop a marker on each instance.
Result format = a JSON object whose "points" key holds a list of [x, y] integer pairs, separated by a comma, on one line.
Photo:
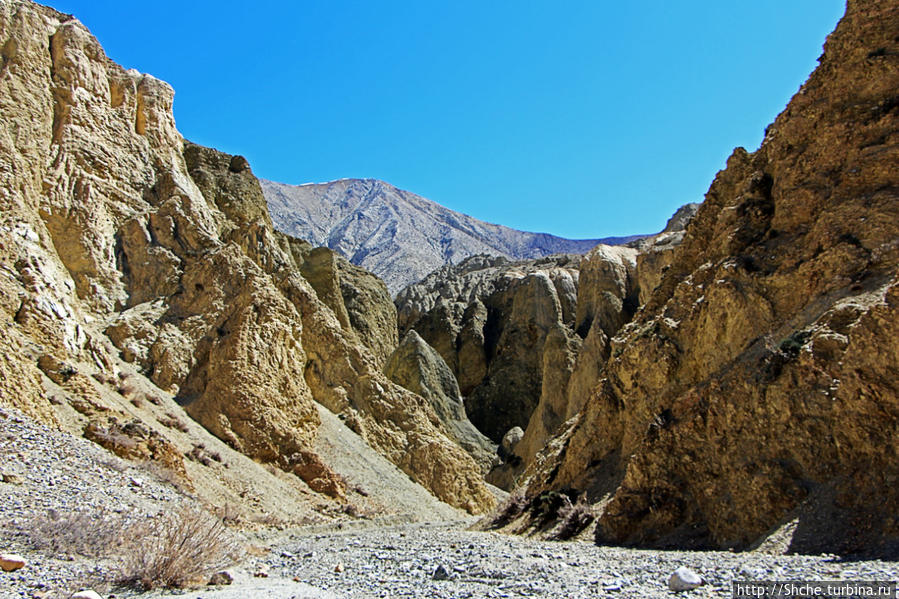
{"points": [[114, 229]]}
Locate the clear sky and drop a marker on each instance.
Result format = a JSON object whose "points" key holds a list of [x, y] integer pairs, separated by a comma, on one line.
{"points": [[582, 118]]}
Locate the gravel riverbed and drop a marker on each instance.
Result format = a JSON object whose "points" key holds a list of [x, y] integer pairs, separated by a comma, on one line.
{"points": [[51, 472], [402, 561]]}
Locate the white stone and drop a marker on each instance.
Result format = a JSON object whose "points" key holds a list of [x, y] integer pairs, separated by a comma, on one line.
{"points": [[684, 579], [86, 595]]}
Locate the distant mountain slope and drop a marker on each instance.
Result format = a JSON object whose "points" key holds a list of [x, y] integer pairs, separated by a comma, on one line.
{"points": [[398, 235]]}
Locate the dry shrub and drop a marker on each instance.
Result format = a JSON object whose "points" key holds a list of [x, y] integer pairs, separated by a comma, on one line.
{"points": [[138, 400], [509, 509], [153, 399], [91, 534], [172, 421], [103, 378], [200, 454], [229, 514], [573, 518], [166, 475], [127, 389], [177, 550]]}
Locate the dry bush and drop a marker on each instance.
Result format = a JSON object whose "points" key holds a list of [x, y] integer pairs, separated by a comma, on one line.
{"points": [[573, 518], [200, 454], [229, 514], [164, 474], [138, 400], [103, 378], [509, 509], [91, 534], [153, 399], [177, 550], [172, 421], [127, 389]]}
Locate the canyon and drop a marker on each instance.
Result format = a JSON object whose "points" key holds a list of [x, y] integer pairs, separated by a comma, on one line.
{"points": [[728, 384]]}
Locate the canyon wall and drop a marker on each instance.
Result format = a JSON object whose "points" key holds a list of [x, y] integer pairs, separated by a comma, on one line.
{"points": [[757, 389], [114, 229]]}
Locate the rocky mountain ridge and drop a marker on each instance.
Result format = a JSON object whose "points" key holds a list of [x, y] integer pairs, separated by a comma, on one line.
{"points": [[400, 236]]}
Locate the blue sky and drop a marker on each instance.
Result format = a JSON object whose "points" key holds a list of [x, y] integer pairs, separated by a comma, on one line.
{"points": [[578, 118]]}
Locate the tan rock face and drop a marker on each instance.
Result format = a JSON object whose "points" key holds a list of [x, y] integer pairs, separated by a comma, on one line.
{"points": [[757, 384], [114, 228]]}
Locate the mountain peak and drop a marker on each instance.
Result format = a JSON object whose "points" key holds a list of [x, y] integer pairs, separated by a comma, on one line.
{"points": [[398, 235]]}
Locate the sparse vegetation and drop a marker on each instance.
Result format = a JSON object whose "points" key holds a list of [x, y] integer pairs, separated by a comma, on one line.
{"points": [[91, 534], [573, 518], [792, 345], [173, 422], [509, 509], [200, 454], [176, 551]]}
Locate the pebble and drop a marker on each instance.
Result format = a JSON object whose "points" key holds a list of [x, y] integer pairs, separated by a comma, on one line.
{"points": [[397, 561], [417, 561], [86, 595], [11, 561], [684, 579]]}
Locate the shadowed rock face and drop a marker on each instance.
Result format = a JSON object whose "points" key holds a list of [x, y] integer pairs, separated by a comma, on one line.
{"points": [[757, 385], [416, 366], [112, 228], [489, 319], [398, 235]]}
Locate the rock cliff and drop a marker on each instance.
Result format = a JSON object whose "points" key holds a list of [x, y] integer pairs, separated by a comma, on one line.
{"points": [[756, 388], [398, 235], [490, 319], [122, 245], [416, 366]]}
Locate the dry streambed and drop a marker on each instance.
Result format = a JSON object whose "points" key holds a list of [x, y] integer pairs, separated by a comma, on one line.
{"points": [[53, 473]]}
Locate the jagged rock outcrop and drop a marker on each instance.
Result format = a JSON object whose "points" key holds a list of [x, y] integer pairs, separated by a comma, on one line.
{"points": [[113, 228], [606, 300], [757, 386], [416, 366], [359, 299], [489, 319], [398, 235], [657, 252]]}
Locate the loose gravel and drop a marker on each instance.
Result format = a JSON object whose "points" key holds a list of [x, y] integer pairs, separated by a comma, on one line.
{"points": [[54, 471], [402, 561], [58, 475]]}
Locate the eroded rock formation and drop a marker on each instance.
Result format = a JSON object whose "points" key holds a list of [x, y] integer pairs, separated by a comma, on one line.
{"points": [[416, 366], [114, 228], [490, 319], [757, 386]]}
